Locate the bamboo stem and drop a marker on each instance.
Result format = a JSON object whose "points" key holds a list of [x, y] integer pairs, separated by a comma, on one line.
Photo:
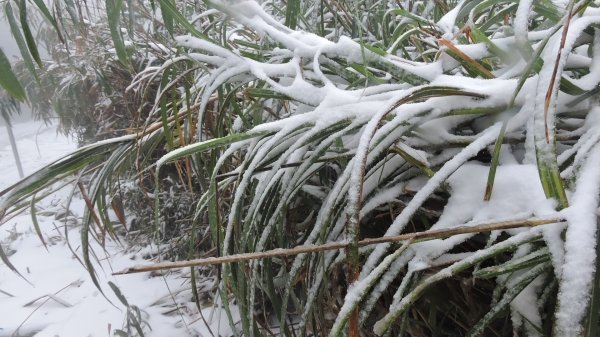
{"points": [[304, 249]]}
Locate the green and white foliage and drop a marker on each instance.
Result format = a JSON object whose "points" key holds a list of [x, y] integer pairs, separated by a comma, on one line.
{"points": [[306, 122]]}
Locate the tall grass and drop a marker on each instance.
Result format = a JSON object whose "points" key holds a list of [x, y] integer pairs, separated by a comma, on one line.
{"points": [[299, 124]]}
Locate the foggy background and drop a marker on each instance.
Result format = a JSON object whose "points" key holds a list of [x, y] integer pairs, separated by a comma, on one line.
{"points": [[10, 48]]}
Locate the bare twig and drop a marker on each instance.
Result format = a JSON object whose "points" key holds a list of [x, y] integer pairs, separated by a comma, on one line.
{"points": [[279, 252]]}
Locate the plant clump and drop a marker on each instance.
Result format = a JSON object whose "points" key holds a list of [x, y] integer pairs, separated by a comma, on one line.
{"points": [[271, 130]]}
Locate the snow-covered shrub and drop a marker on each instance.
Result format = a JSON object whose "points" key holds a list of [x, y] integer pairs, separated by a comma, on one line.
{"points": [[350, 120]]}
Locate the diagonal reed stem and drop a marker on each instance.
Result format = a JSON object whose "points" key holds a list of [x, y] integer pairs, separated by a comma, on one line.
{"points": [[303, 249]]}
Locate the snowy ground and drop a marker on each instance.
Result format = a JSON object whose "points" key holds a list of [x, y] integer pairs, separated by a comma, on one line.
{"points": [[58, 298]]}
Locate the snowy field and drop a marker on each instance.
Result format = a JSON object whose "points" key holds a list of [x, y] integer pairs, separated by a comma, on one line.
{"points": [[58, 297]]}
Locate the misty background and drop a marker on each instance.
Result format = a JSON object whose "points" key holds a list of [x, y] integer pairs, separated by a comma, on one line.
{"points": [[10, 48]]}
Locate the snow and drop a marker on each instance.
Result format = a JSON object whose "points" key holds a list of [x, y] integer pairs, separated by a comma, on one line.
{"points": [[580, 248], [62, 300], [486, 138], [36, 143], [521, 21], [58, 297], [448, 22], [382, 324]]}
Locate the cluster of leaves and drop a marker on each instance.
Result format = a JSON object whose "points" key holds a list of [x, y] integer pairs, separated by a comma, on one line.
{"points": [[302, 123]]}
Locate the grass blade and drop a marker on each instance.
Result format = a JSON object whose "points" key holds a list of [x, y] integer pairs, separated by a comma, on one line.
{"points": [[14, 28], [7, 262], [8, 80], [46, 13], [470, 65], [292, 12], [113, 12], [168, 8], [494, 164], [27, 32], [35, 222], [518, 285], [206, 145]]}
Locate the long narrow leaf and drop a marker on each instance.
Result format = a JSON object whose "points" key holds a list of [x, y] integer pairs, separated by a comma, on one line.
{"points": [[8, 80], [31, 44], [14, 29]]}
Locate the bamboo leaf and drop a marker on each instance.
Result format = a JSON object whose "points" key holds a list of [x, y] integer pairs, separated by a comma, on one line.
{"points": [[384, 324], [466, 60], [46, 13], [166, 15], [404, 13], [206, 145], [113, 12], [14, 28], [35, 222], [265, 93], [480, 37], [513, 291], [292, 12], [170, 12], [7, 262], [27, 32], [494, 164], [8, 80], [118, 292], [355, 296], [72, 10], [414, 161], [57, 170], [530, 260]]}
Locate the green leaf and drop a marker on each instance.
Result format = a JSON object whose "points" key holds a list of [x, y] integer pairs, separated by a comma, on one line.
{"points": [[291, 13], [57, 170], [494, 164], [170, 12], [206, 145], [35, 222], [113, 11], [534, 64], [14, 28], [547, 9], [413, 161], [520, 283], [7, 262], [166, 15], [404, 13], [118, 292], [72, 10], [135, 320], [498, 17], [120, 333], [8, 80], [27, 32], [528, 261], [480, 37], [46, 13], [265, 93]]}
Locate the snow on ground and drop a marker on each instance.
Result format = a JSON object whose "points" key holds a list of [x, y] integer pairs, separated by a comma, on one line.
{"points": [[38, 145], [59, 297]]}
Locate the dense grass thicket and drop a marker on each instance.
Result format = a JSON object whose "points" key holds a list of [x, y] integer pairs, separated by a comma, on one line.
{"points": [[297, 133]]}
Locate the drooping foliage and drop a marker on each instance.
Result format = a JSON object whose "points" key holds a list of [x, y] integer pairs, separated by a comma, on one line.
{"points": [[293, 123]]}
